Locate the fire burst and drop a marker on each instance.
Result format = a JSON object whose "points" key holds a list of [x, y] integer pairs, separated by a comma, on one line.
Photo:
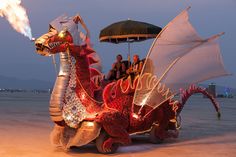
{"points": [[16, 16]]}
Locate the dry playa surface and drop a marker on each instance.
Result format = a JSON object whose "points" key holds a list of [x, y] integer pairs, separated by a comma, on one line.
{"points": [[25, 128]]}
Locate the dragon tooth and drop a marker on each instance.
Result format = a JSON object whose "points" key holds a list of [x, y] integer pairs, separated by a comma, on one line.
{"points": [[50, 45]]}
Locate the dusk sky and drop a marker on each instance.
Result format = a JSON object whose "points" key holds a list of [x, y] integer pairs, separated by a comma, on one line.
{"points": [[18, 58]]}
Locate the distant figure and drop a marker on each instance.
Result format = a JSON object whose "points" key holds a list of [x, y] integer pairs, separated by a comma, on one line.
{"points": [[118, 69], [136, 66]]}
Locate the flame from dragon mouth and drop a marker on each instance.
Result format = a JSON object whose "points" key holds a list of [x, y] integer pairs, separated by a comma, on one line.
{"points": [[16, 15]]}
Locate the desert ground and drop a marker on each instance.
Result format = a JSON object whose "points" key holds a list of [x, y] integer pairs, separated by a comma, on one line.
{"points": [[25, 128]]}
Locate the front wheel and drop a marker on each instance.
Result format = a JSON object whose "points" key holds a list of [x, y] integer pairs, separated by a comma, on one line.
{"points": [[100, 142]]}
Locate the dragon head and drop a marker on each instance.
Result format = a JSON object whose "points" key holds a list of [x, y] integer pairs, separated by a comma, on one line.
{"points": [[63, 31]]}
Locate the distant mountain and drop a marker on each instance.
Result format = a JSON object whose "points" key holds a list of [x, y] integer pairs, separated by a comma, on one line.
{"points": [[15, 83]]}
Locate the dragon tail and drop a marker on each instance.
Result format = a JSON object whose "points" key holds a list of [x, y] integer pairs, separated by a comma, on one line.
{"points": [[186, 94]]}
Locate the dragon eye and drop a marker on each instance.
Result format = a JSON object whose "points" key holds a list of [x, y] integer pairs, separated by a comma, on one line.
{"points": [[62, 34]]}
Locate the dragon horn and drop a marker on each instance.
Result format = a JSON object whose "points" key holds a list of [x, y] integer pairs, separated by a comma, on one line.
{"points": [[78, 19]]}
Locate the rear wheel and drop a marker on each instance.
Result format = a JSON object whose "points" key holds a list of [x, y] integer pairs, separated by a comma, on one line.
{"points": [[153, 138], [178, 123], [100, 141]]}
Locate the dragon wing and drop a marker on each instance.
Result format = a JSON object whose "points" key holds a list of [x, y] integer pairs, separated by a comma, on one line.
{"points": [[178, 58]]}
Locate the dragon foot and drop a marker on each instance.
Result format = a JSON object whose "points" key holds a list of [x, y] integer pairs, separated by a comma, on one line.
{"points": [[110, 146], [56, 135], [105, 145]]}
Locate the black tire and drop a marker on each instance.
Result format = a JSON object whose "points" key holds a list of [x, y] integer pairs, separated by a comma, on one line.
{"points": [[153, 138], [178, 123], [99, 144]]}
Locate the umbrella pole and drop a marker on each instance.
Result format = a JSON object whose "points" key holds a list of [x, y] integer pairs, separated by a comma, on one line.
{"points": [[129, 54]]}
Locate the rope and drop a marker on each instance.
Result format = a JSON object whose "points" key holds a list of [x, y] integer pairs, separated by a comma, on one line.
{"points": [[54, 63]]}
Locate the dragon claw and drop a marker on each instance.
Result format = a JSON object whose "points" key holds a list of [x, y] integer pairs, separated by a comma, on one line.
{"points": [[107, 145]]}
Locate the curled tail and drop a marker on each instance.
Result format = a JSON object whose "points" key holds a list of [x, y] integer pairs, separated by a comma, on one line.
{"points": [[186, 94]]}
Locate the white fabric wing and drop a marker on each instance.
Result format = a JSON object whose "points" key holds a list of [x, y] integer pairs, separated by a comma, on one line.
{"points": [[177, 59]]}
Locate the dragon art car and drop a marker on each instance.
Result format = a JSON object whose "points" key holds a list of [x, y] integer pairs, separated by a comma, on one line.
{"points": [[86, 108]]}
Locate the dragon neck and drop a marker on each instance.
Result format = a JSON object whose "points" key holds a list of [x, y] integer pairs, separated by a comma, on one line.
{"points": [[57, 96], [72, 83], [78, 104]]}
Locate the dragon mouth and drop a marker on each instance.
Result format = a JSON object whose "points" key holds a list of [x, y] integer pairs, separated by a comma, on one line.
{"points": [[54, 44], [42, 49], [45, 50]]}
